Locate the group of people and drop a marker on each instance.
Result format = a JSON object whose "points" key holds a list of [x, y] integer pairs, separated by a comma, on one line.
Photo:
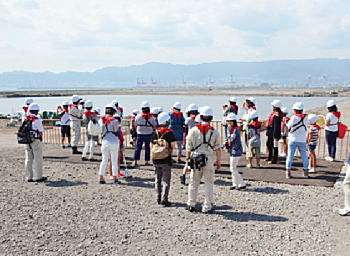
{"points": [[162, 133]]}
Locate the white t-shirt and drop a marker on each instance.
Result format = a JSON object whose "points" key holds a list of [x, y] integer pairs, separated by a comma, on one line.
{"points": [[65, 119], [297, 134], [333, 127]]}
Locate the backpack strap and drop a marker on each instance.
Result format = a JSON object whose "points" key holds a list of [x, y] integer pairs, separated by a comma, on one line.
{"points": [[205, 142], [298, 125]]}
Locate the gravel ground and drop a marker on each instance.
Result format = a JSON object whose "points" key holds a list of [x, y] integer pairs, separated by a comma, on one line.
{"points": [[73, 215]]}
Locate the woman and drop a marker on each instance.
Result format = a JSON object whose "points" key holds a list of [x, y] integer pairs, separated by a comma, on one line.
{"points": [[110, 143], [234, 147], [297, 139], [332, 120], [177, 122], [89, 116]]}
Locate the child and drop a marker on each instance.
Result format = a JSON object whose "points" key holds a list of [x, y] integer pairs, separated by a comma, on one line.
{"points": [[234, 147], [312, 137], [254, 142], [284, 132], [63, 113], [89, 116]]}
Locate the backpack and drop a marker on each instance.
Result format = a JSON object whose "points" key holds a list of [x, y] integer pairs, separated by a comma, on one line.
{"points": [[160, 148], [24, 134], [94, 129]]}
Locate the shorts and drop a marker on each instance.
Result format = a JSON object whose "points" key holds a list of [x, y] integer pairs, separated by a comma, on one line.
{"points": [[312, 147], [253, 152], [65, 131]]}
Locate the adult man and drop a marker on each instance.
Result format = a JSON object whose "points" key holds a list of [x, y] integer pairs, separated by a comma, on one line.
{"points": [[34, 150], [75, 115], [203, 143], [145, 124]]}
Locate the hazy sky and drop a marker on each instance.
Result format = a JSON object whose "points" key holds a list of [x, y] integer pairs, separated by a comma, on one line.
{"points": [[84, 35]]}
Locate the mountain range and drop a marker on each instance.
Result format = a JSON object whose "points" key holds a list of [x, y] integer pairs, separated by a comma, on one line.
{"points": [[167, 74]]}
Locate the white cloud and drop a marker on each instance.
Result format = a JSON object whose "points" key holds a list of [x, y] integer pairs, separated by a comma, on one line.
{"points": [[84, 35]]}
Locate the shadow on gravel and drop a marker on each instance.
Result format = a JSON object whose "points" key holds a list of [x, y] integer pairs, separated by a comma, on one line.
{"points": [[64, 183], [249, 216], [269, 190], [140, 182]]}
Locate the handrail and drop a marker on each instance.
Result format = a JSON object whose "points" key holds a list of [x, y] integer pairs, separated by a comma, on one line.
{"points": [[52, 135]]}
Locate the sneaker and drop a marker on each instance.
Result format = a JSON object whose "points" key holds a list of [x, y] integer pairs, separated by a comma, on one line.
{"points": [[30, 180], [249, 166], [344, 212], [41, 179], [116, 182], [331, 159], [120, 175], [63, 146], [101, 182], [312, 170], [288, 176], [232, 188], [190, 208], [327, 158], [110, 177], [69, 146], [241, 188], [283, 155], [166, 203], [84, 159], [93, 160], [207, 209], [148, 164]]}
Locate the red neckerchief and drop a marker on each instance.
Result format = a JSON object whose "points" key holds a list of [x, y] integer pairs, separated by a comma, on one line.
{"points": [[177, 115], [31, 117], [337, 114], [234, 107], [193, 116], [155, 117], [107, 119], [73, 106], [204, 128], [88, 113], [132, 117], [302, 116], [316, 126], [270, 118], [163, 130], [120, 109], [232, 129], [25, 109], [252, 108], [255, 124], [146, 116], [65, 110]]}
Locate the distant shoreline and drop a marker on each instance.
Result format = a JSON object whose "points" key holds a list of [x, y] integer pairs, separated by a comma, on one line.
{"points": [[294, 92]]}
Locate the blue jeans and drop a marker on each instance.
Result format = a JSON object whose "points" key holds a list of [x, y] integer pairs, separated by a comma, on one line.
{"points": [[140, 139], [292, 146], [331, 138]]}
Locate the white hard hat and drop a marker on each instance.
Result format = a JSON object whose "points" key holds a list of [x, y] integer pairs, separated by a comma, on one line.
{"points": [[135, 111], [252, 115], [206, 111], [331, 103], [75, 98], [114, 102], [88, 104], [252, 99], [65, 103], [97, 110], [28, 101], [33, 106], [233, 99], [154, 111], [192, 107], [160, 110], [198, 119], [111, 106], [231, 117], [284, 110], [145, 104], [312, 118], [177, 105], [163, 118], [298, 106], [276, 103]]}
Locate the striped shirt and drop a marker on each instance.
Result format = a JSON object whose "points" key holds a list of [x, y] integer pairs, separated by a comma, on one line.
{"points": [[313, 131]]}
